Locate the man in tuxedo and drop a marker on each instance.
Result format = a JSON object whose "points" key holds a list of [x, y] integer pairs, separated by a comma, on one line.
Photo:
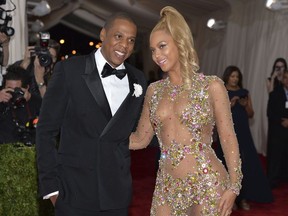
{"points": [[96, 108], [277, 149]]}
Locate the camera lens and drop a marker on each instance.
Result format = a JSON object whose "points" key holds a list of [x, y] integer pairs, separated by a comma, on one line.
{"points": [[9, 31], [45, 60]]}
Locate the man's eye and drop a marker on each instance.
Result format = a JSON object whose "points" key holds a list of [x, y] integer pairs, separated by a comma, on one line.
{"points": [[132, 40]]}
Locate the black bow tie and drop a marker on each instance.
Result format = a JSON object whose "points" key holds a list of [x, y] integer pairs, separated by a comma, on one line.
{"points": [[108, 70]]}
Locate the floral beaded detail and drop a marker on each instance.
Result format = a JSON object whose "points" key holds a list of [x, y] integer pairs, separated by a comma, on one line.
{"points": [[174, 91], [236, 187]]}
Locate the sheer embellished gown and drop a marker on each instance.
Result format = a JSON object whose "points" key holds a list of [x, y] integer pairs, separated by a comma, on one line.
{"points": [[190, 179]]}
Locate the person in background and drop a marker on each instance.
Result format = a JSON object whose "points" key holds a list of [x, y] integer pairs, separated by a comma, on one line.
{"points": [[182, 110], [96, 101], [277, 148], [39, 73], [18, 107], [255, 186], [274, 81]]}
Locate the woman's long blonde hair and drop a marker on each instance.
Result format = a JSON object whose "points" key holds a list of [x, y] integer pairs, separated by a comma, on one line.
{"points": [[174, 23]]}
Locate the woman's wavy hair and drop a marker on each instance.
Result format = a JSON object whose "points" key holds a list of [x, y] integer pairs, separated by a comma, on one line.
{"points": [[174, 24]]}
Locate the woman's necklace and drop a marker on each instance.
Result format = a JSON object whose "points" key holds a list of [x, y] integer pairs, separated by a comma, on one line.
{"points": [[173, 91]]}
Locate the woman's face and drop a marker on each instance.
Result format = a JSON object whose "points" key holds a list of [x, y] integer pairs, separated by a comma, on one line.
{"points": [[164, 51], [279, 69], [233, 79]]}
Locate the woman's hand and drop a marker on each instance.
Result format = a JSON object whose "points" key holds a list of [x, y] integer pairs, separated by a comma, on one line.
{"points": [[226, 203], [27, 57], [243, 101], [39, 71], [234, 100]]}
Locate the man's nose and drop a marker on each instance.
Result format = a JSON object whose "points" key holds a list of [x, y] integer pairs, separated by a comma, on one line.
{"points": [[124, 43]]}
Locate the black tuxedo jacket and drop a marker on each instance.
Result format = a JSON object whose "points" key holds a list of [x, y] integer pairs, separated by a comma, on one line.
{"points": [[91, 167], [276, 107]]}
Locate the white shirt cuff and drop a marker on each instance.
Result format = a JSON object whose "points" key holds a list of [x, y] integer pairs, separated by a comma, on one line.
{"points": [[50, 195]]}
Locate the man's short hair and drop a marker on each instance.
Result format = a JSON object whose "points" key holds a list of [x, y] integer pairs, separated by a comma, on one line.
{"points": [[120, 15], [16, 72]]}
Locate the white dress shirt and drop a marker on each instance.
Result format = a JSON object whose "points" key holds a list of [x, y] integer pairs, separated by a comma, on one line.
{"points": [[115, 89]]}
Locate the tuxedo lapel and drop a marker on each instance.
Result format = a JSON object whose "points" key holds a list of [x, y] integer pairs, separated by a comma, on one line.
{"points": [[129, 100], [93, 81]]}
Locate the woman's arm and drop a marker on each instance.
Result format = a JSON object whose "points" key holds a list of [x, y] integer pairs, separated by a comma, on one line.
{"points": [[144, 132], [228, 139], [247, 104]]}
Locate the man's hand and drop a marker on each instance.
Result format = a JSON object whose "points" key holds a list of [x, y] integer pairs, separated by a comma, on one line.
{"points": [[53, 199], [5, 95], [27, 94], [284, 122]]}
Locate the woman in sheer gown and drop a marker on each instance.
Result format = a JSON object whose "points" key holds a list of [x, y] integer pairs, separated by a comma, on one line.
{"points": [[182, 111]]}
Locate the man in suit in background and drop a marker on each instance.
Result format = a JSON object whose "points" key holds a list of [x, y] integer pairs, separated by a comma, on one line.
{"points": [[277, 149], [89, 173]]}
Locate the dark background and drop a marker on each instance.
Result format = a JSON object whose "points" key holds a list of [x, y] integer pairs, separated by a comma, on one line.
{"points": [[73, 40]]}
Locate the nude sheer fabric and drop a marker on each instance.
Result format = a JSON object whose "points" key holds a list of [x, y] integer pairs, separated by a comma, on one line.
{"points": [[190, 179]]}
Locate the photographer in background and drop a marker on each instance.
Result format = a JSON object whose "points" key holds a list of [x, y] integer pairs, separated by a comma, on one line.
{"points": [[18, 108], [277, 146], [39, 61], [275, 79]]}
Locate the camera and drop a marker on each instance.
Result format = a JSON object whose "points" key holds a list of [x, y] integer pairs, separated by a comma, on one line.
{"points": [[42, 51], [4, 20], [279, 68], [17, 99]]}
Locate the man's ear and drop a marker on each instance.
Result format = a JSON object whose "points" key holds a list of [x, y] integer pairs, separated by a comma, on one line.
{"points": [[102, 34]]}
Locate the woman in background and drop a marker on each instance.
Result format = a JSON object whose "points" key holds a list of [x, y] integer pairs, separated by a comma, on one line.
{"points": [[274, 81], [255, 186]]}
